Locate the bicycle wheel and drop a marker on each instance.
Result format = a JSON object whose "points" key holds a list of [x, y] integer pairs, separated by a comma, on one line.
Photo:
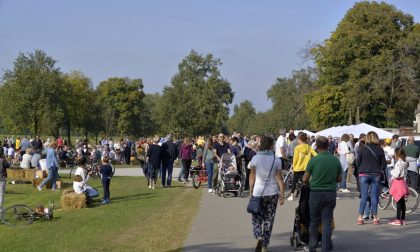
{"points": [[384, 199], [411, 201], [17, 215], [195, 181], [72, 171]]}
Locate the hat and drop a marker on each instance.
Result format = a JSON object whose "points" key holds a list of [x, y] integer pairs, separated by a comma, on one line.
{"points": [[388, 140]]}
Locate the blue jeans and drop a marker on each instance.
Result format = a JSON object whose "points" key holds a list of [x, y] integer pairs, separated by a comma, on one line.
{"points": [[367, 212], [2, 191], [105, 186], [373, 182], [209, 168], [343, 179], [167, 167], [52, 175], [321, 207], [91, 192]]}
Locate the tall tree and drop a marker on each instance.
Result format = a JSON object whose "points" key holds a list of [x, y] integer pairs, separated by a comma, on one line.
{"points": [[29, 96], [243, 115], [288, 95], [197, 100], [367, 57], [121, 100]]}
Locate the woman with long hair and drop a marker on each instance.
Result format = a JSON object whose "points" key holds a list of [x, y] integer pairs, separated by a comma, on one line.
{"points": [[265, 181], [370, 162], [208, 162], [186, 157]]}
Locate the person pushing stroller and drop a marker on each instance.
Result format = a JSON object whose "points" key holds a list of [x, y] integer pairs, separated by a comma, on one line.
{"points": [[322, 173]]}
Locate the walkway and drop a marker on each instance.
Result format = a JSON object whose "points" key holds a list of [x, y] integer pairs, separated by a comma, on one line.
{"points": [[222, 224]]}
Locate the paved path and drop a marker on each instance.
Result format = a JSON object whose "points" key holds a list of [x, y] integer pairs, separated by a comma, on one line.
{"points": [[131, 172], [222, 224]]}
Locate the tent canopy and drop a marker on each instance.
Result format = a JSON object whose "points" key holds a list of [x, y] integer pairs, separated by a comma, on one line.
{"points": [[356, 130]]}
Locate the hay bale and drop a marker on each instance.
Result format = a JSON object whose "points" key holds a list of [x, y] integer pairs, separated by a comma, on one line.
{"points": [[29, 174], [134, 161], [20, 174], [36, 182], [11, 173], [72, 200]]}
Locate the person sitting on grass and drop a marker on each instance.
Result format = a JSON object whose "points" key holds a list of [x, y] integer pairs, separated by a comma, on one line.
{"points": [[106, 174], [80, 187]]}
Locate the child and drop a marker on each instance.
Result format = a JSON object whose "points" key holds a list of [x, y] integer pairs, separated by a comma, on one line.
{"points": [[106, 174], [79, 187], [399, 188]]}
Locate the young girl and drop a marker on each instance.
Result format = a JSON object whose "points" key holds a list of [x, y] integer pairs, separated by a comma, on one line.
{"points": [[106, 174], [399, 189]]}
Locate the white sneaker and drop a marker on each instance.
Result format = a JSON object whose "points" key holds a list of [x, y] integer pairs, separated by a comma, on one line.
{"points": [[340, 190], [39, 188], [210, 190], [345, 190], [290, 197], [150, 186]]}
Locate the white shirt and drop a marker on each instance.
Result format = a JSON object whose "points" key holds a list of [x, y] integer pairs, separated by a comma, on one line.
{"points": [[43, 164], [343, 148], [26, 161], [80, 171], [280, 143], [79, 187], [389, 154], [262, 163], [11, 152]]}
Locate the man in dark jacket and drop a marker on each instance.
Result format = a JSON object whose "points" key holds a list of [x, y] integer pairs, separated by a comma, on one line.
{"points": [[169, 155]]}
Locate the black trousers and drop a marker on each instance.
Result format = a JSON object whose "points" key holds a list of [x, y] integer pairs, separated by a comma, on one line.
{"points": [[296, 176], [401, 209], [105, 185]]}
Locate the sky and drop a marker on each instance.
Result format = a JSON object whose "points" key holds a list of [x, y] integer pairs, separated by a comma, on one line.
{"points": [[257, 41]]}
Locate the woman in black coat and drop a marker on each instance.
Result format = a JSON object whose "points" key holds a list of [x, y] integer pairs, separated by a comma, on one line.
{"points": [[154, 156]]}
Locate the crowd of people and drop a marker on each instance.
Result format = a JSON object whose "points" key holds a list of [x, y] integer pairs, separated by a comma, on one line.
{"points": [[327, 164]]}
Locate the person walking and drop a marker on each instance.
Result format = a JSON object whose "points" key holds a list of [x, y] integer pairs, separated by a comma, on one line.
{"points": [[169, 155], [186, 159], [412, 152], [52, 166], [370, 162], [219, 148], [3, 175], [301, 157], [208, 162], [265, 181], [344, 149], [322, 173], [154, 154], [249, 153]]}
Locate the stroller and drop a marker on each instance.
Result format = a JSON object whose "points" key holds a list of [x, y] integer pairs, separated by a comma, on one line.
{"points": [[300, 235], [230, 181]]}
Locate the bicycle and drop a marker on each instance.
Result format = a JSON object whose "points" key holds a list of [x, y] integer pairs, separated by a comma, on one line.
{"points": [[411, 201], [288, 179], [199, 175], [20, 215]]}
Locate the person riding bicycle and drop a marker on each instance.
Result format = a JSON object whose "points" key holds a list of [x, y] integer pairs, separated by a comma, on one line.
{"points": [[302, 154]]}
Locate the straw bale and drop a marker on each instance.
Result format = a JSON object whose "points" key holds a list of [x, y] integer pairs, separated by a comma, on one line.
{"points": [[72, 200], [29, 174]]}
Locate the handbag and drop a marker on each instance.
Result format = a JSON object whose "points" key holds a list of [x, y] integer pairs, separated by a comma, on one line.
{"points": [[255, 203]]}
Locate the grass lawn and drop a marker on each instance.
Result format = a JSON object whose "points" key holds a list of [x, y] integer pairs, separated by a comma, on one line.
{"points": [[138, 219]]}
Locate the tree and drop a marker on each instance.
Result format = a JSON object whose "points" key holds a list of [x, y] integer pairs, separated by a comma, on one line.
{"points": [[243, 115], [121, 100], [197, 100], [367, 55], [288, 94], [149, 120], [78, 101], [29, 95]]}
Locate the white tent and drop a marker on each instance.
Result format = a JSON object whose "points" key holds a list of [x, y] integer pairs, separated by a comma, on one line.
{"points": [[356, 130], [309, 133]]}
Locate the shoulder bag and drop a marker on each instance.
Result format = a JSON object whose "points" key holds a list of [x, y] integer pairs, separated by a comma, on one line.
{"points": [[255, 203]]}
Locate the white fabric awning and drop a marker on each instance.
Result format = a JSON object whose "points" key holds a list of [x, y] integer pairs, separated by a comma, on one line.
{"points": [[356, 130]]}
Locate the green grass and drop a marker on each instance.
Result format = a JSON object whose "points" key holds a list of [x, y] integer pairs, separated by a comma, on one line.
{"points": [[138, 219]]}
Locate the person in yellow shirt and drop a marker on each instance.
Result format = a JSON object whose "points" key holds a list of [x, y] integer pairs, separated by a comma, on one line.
{"points": [[301, 156], [17, 143]]}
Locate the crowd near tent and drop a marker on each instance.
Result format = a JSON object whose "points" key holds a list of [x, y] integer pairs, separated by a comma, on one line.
{"points": [[356, 130]]}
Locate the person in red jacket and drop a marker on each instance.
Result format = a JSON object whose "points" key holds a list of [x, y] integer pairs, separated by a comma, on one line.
{"points": [[186, 157]]}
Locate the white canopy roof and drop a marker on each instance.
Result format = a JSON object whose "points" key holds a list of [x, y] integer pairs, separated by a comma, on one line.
{"points": [[356, 130]]}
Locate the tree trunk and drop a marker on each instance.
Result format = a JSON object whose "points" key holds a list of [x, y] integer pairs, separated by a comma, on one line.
{"points": [[68, 133]]}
